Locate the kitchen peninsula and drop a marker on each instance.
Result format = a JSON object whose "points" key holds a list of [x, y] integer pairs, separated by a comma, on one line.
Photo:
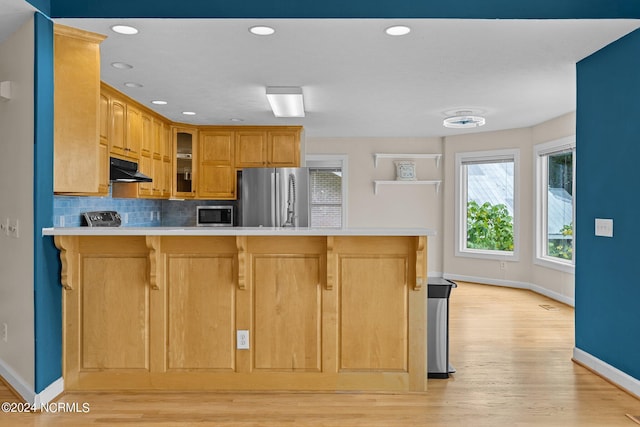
{"points": [[235, 308]]}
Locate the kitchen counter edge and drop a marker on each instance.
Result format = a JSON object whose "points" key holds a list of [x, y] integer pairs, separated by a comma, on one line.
{"points": [[233, 231]]}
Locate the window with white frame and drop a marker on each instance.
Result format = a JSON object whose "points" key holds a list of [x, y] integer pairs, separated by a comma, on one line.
{"points": [[327, 186], [555, 203], [486, 204]]}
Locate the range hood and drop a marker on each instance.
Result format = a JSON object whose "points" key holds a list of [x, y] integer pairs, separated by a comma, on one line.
{"points": [[125, 171]]}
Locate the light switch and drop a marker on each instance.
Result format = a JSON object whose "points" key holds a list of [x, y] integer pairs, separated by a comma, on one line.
{"points": [[604, 227]]}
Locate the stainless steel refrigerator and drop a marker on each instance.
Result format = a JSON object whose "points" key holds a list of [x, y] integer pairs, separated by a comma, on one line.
{"points": [[274, 197]]}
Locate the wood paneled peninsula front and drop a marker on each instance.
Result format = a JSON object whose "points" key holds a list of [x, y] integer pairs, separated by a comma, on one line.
{"points": [[160, 308]]}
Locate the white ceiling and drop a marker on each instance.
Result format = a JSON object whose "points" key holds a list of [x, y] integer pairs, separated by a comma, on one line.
{"points": [[357, 81]]}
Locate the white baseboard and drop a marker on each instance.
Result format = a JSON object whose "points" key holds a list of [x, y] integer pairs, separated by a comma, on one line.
{"points": [[616, 376], [513, 284], [54, 390], [26, 391], [18, 383]]}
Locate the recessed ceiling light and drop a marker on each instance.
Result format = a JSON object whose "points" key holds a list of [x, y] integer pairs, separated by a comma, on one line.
{"points": [[132, 84], [236, 120], [121, 65], [159, 102], [398, 30], [189, 113], [262, 30], [124, 29]]}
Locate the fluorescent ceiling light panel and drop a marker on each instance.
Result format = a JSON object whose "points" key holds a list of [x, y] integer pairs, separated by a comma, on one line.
{"points": [[286, 101]]}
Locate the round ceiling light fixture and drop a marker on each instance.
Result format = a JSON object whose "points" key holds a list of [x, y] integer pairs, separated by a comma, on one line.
{"points": [[121, 65], [464, 120], [124, 29], [262, 30], [189, 113], [398, 30], [133, 84], [159, 102]]}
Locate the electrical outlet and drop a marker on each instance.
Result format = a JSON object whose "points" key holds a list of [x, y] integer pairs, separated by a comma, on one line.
{"points": [[158, 215], [242, 339], [503, 265], [125, 218], [4, 332], [151, 216], [61, 220]]}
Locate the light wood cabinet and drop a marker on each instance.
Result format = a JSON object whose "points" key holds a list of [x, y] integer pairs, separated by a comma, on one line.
{"points": [[136, 133], [268, 147], [251, 149], [216, 172], [323, 312], [108, 309], [125, 130], [79, 161], [147, 134], [185, 162], [283, 148]]}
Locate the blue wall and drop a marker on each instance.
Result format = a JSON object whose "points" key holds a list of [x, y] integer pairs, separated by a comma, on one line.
{"points": [[46, 281], [489, 9], [608, 141]]}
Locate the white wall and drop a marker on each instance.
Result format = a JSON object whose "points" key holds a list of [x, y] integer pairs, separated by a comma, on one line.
{"points": [[16, 202], [418, 206], [521, 273], [393, 206]]}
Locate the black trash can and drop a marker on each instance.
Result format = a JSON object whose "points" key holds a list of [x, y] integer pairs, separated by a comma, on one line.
{"points": [[438, 292]]}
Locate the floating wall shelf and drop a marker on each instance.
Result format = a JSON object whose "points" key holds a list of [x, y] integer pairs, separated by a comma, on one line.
{"points": [[377, 156], [432, 182]]}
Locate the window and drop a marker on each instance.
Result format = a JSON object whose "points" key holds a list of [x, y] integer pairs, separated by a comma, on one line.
{"points": [[327, 176], [486, 204], [555, 212]]}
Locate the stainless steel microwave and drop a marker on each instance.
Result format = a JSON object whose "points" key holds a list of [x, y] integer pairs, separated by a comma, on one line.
{"points": [[214, 216]]}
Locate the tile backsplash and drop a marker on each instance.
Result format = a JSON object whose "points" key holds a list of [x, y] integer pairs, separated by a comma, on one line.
{"points": [[67, 210]]}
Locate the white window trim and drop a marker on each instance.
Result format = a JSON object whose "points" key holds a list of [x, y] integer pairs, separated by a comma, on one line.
{"points": [[540, 151], [460, 203], [337, 161]]}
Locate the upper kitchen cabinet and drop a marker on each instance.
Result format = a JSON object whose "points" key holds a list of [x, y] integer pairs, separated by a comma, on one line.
{"points": [[80, 162], [184, 162], [251, 149], [277, 146], [125, 125], [283, 147], [216, 172]]}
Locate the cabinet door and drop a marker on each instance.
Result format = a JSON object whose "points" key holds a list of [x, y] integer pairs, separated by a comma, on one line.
{"points": [[147, 134], [158, 138], [158, 177], [145, 165], [251, 149], [103, 164], [283, 148], [216, 178], [118, 130], [166, 178], [76, 111], [134, 132], [184, 162]]}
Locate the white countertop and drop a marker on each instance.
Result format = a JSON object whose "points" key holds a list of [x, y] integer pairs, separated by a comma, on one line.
{"points": [[233, 231]]}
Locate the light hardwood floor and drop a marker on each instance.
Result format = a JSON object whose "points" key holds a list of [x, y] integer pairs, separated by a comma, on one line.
{"points": [[511, 348]]}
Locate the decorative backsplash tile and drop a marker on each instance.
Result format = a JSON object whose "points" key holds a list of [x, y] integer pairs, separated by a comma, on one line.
{"points": [[67, 210]]}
